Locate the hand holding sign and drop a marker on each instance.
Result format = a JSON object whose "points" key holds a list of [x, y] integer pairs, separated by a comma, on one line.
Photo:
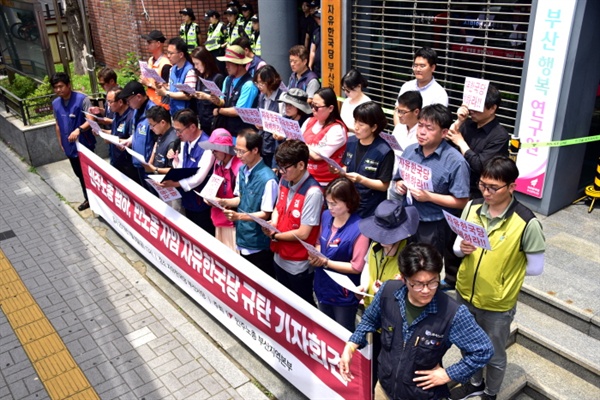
{"points": [[475, 93], [212, 87], [182, 87], [470, 232]]}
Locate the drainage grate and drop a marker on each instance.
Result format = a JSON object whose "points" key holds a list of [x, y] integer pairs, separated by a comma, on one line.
{"points": [[7, 235]]}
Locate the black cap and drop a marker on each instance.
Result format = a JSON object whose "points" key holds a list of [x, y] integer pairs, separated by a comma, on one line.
{"points": [[232, 11], [131, 89], [315, 4], [245, 7], [155, 35], [188, 11], [254, 18], [233, 3], [211, 13], [317, 14]]}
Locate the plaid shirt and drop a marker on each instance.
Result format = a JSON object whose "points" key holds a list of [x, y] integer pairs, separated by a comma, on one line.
{"points": [[464, 334]]}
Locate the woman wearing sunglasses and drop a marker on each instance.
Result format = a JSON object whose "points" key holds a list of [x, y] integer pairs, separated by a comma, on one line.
{"points": [[325, 134]]}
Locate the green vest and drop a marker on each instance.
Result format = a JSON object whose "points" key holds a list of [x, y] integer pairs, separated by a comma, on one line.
{"points": [[256, 45], [190, 37], [381, 268], [215, 37], [491, 280]]}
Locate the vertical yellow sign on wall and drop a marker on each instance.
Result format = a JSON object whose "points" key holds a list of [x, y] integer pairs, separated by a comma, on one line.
{"points": [[331, 44]]}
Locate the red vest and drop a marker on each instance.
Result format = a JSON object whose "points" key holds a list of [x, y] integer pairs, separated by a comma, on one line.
{"points": [[320, 169], [289, 219]]}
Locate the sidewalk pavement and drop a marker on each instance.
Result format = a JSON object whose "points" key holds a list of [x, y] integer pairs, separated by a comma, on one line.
{"points": [[130, 341]]}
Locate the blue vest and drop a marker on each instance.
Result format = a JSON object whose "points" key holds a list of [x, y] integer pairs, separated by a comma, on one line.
{"points": [[120, 127], [339, 248], [367, 167], [190, 200], [177, 75], [397, 361], [269, 142], [302, 83], [70, 117], [143, 137], [232, 95], [248, 233], [253, 65]]}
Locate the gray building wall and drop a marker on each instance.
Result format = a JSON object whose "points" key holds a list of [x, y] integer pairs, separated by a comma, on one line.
{"points": [[574, 112]]}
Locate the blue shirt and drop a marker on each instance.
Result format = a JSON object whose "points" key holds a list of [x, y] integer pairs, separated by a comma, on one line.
{"points": [[450, 174], [465, 334], [248, 92]]}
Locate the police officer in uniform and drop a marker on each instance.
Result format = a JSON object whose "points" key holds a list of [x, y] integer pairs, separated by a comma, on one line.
{"points": [[189, 31]]}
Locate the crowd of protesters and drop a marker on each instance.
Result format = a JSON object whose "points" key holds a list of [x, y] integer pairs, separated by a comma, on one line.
{"points": [[341, 189]]}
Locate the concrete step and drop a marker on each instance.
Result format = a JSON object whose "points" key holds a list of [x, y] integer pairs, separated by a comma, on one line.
{"points": [[584, 320], [559, 342], [547, 359], [530, 376]]}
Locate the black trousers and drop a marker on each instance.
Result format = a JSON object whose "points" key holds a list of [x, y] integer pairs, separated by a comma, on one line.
{"points": [[301, 284], [263, 260], [202, 219], [439, 235], [76, 166]]}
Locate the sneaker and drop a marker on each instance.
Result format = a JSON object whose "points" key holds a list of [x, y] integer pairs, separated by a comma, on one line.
{"points": [[84, 206], [467, 390], [486, 396]]}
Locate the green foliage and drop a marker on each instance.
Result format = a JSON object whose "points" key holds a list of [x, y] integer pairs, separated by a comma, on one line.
{"points": [[21, 86], [130, 69], [27, 88]]}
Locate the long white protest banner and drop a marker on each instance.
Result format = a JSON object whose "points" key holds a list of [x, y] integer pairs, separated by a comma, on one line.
{"points": [[293, 337]]}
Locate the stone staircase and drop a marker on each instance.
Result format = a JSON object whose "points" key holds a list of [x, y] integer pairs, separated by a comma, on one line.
{"points": [[553, 353]]}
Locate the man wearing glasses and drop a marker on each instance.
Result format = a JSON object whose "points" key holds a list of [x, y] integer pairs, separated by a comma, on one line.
{"points": [[418, 325], [191, 155], [297, 215], [449, 179], [255, 193], [489, 282], [142, 138], [480, 138], [122, 117], [406, 116], [423, 67]]}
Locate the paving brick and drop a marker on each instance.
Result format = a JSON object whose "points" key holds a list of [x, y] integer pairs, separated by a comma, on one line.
{"points": [[145, 373], [94, 375], [189, 372], [194, 390], [167, 367], [17, 389], [116, 392], [211, 384], [164, 344], [146, 390], [160, 393], [171, 382]]}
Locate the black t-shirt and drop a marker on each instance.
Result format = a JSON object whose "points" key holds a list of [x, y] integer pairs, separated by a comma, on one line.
{"points": [[385, 168]]}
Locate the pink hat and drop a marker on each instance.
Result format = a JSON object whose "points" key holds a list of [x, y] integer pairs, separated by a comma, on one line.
{"points": [[220, 140]]}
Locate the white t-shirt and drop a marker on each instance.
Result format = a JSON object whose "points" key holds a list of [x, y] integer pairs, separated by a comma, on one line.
{"points": [[347, 111], [432, 93]]}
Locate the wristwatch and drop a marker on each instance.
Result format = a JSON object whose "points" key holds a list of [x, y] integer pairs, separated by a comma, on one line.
{"points": [[156, 170], [273, 236]]}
